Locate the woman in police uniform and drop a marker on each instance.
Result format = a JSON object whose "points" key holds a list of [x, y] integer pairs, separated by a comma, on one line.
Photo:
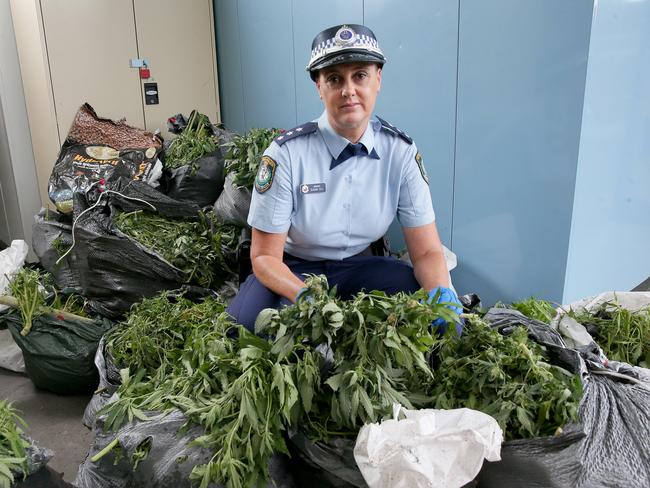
{"points": [[329, 188]]}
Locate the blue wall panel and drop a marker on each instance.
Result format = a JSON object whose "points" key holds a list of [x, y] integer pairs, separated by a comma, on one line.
{"points": [[610, 234], [521, 74], [418, 92], [265, 34], [309, 18], [231, 95]]}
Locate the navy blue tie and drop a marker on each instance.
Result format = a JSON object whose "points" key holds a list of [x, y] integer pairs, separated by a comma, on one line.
{"points": [[352, 150]]}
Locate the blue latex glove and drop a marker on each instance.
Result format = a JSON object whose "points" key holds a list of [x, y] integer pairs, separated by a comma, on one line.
{"points": [[302, 295], [447, 295]]}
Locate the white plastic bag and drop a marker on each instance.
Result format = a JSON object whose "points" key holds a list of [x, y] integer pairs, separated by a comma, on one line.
{"points": [[629, 300], [11, 357], [574, 333], [11, 260], [429, 448]]}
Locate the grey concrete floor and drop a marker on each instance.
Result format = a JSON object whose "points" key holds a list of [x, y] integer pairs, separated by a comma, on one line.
{"points": [[53, 421]]}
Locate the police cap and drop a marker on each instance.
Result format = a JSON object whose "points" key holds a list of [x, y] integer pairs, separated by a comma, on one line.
{"points": [[347, 43]]}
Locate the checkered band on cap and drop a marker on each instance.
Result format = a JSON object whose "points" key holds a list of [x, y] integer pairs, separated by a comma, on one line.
{"points": [[359, 42]]}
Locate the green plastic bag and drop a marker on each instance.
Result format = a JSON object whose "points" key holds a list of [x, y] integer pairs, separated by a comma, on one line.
{"points": [[59, 354]]}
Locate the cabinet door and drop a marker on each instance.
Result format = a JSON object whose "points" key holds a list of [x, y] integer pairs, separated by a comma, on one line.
{"points": [[177, 38], [89, 44]]}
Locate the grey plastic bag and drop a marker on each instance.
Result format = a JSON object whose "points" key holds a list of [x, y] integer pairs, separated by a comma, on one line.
{"points": [[170, 460], [609, 449], [233, 204], [109, 382]]}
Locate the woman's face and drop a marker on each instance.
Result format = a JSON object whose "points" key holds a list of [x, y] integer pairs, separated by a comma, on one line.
{"points": [[349, 92]]}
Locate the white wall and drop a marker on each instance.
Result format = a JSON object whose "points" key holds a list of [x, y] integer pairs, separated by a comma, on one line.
{"points": [[39, 99], [20, 197]]}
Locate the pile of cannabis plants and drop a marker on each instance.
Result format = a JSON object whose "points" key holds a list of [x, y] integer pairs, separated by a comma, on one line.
{"points": [[506, 377], [323, 366], [244, 153], [624, 335], [202, 249], [13, 457]]}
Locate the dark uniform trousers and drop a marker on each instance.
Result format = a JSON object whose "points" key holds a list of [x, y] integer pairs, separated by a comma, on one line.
{"points": [[350, 275]]}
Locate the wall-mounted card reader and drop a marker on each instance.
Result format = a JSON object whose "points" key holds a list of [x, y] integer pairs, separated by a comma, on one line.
{"points": [[151, 93]]}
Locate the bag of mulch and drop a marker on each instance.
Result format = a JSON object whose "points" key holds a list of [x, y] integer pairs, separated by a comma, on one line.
{"points": [[156, 454], [98, 149], [233, 204], [51, 238], [58, 352]]}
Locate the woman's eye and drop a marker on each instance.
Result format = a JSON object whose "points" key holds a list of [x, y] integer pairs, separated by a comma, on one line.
{"points": [[333, 79]]}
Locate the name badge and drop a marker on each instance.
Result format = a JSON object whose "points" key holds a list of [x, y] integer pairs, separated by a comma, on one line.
{"points": [[312, 188]]}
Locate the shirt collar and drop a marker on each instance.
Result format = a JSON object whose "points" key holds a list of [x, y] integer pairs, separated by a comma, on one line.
{"points": [[336, 143]]}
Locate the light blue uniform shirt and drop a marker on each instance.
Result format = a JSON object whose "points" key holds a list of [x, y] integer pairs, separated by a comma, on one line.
{"points": [[337, 213]]}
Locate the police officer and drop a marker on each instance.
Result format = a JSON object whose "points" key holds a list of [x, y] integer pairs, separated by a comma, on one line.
{"points": [[329, 188]]}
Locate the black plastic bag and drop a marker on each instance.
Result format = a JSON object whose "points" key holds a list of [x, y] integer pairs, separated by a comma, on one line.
{"points": [[114, 270], [506, 320], [233, 204], [136, 195], [43, 478], [224, 134], [51, 238], [37, 458], [324, 464], [544, 462], [109, 382], [199, 182], [59, 353], [609, 448], [169, 462]]}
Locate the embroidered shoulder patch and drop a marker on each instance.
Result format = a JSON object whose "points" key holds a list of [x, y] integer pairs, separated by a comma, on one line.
{"points": [[265, 174], [423, 172], [301, 130], [394, 130]]}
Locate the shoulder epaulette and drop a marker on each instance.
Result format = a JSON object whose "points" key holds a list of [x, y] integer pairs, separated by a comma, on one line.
{"points": [[394, 130], [301, 130]]}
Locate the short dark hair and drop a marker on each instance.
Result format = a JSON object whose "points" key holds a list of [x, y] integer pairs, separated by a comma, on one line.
{"points": [[316, 73]]}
